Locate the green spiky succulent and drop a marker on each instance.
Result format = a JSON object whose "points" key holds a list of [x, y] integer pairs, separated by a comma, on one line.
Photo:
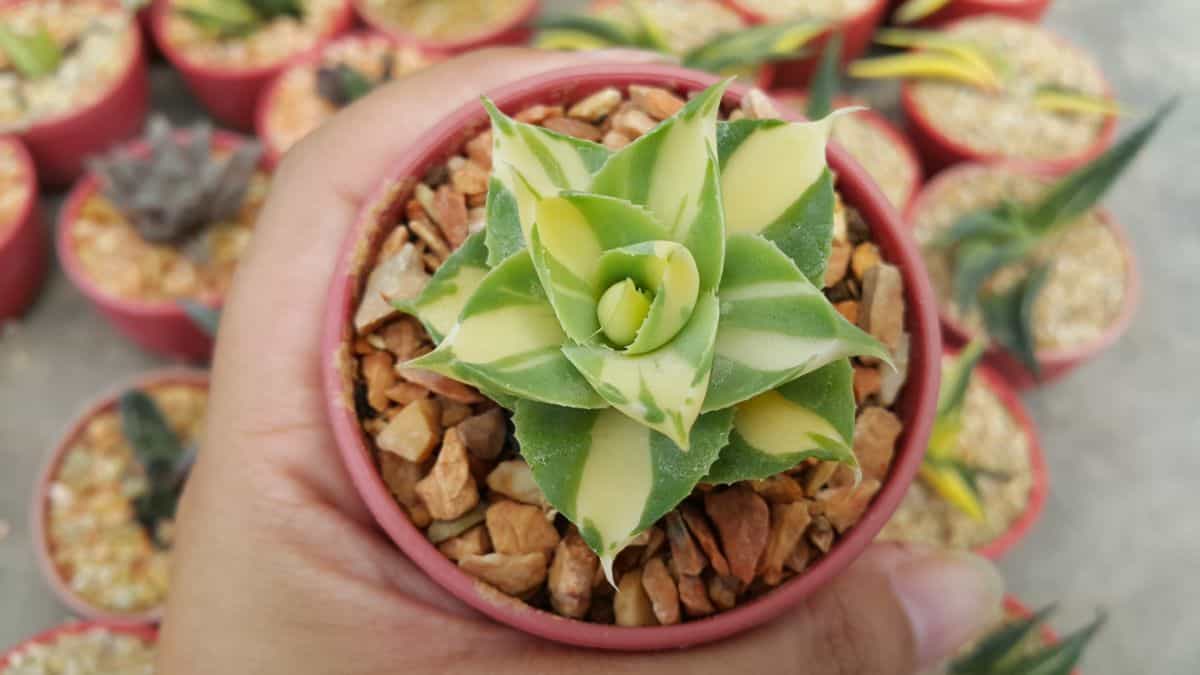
{"points": [[1006, 651], [653, 316], [33, 55], [163, 456], [237, 18]]}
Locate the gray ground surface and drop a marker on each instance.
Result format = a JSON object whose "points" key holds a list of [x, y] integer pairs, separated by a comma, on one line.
{"points": [[1123, 435]]}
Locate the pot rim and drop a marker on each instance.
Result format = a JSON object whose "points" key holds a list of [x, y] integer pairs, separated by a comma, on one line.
{"points": [[456, 45], [755, 18], [24, 215], [145, 633], [87, 186], [37, 508], [916, 116], [1048, 358], [919, 398], [177, 58]]}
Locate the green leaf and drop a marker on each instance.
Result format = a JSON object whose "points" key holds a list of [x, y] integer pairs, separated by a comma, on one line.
{"points": [[1063, 100], [825, 84], [663, 389], [447, 292], [775, 325], [651, 35], [1000, 645], [1008, 317], [529, 164], [204, 317], [1076, 194], [1059, 659], [977, 260], [810, 417], [270, 9], [668, 271], [597, 30], [159, 451], [957, 378], [508, 339], [35, 55], [342, 85], [998, 224], [774, 182], [939, 44], [672, 170], [610, 475], [221, 18], [768, 42]]}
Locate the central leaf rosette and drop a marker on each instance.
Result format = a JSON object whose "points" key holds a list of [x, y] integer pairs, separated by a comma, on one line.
{"points": [[653, 316]]}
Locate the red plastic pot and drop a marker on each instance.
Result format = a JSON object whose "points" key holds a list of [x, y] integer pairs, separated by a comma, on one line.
{"points": [[939, 151], [1054, 363], [796, 101], [230, 94], [1024, 10], [856, 30], [145, 633], [38, 515], [158, 326], [916, 405], [22, 244], [60, 144], [515, 31]]}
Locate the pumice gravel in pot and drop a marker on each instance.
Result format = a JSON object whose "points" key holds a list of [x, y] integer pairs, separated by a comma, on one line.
{"points": [[161, 223], [983, 482], [104, 506], [72, 80], [1030, 260], [451, 26], [22, 244], [934, 13], [228, 51], [315, 88], [683, 447], [990, 87], [84, 648]]}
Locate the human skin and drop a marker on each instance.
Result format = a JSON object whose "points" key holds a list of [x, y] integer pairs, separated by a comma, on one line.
{"points": [[278, 568]]}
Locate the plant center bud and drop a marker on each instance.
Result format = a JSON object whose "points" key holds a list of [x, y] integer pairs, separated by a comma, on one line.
{"points": [[621, 311]]}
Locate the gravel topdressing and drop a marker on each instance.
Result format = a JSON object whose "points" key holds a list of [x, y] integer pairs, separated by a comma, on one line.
{"points": [[1088, 276], [275, 42], [833, 10], [1007, 123], [15, 188], [444, 19], [95, 651], [98, 42]]}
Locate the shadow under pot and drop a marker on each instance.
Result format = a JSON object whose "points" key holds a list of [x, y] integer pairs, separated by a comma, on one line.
{"points": [[153, 247], [983, 483], [925, 14], [451, 26], [314, 88], [84, 647], [74, 81], [103, 510], [22, 244], [1090, 289], [228, 61], [855, 20], [750, 527]]}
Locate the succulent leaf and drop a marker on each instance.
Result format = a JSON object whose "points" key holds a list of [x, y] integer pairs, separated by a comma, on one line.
{"points": [[997, 225], [826, 82], [35, 55], [935, 41], [578, 31], [1004, 653], [768, 42], [204, 317], [666, 270], [159, 451], [651, 34], [443, 298], [236, 18], [1057, 99], [913, 11], [809, 417], [1008, 316], [610, 475], [975, 261], [925, 65], [341, 84]]}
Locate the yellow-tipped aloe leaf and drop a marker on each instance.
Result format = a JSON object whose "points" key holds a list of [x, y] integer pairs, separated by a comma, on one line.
{"points": [[530, 163], [774, 182], [663, 389], [610, 475], [939, 41], [925, 65], [775, 325], [915, 10], [443, 298], [810, 417], [507, 338], [1056, 99], [768, 42], [951, 485]]}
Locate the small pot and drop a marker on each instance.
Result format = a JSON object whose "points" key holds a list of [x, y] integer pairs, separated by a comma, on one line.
{"points": [[795, 100], [162, 327], [515, 31], [1054, 363], [1025, 10], [229, 94], [38, 515], [939, 151], [22, 244], [145, 633], [856, 31], [60, 144], [916, 406]]}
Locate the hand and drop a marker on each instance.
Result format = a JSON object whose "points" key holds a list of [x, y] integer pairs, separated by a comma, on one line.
{"points": [[278, 566]]}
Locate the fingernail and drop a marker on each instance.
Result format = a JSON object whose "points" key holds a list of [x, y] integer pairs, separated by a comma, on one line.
{"points": [[950, 598]]}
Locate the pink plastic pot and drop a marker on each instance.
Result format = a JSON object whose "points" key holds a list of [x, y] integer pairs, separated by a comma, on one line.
{"points": [[39, 517], [159, 326], [1054, 363], [515, 31], [916, 406], [145, 633], [60, 144], [1025, 10], [900, 143], [229, 94], [22, 244], [938, 150], [856, 32]]}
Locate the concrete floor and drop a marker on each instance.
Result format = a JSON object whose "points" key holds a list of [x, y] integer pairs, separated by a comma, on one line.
{"points": [[1120, 530]]}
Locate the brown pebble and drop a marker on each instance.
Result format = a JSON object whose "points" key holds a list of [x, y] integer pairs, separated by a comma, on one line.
{"points": [[743, 522]]}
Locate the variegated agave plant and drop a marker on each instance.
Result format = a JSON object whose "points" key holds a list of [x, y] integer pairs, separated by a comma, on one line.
{"points": [[652, 316]]}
